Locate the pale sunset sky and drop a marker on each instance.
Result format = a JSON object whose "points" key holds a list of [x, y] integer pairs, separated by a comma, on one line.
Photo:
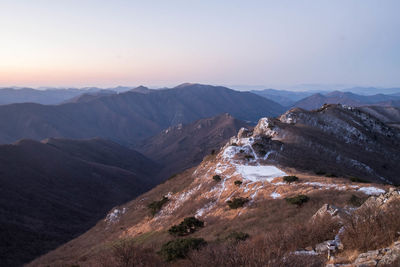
{"points": [[167, 42]]}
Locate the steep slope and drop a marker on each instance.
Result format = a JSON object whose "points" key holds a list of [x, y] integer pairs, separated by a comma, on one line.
{"points": [[130, 117], [387, 114], [184, 146], [243, 189], [50, 192], [345, 98], [337, 139], [108, 153]]}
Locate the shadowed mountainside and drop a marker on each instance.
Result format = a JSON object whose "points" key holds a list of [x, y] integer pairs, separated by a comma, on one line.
{"points": [[53, 191], [388, 114], [184, 146]]}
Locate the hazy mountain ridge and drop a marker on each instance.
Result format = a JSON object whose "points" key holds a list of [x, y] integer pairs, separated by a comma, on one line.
{"points": [[49, 95], [283, 97], [130, 117], [346, 98]]}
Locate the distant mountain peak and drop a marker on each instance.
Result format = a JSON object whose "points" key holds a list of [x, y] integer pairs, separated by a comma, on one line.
{"points": [[186, 85], [141, 89]]}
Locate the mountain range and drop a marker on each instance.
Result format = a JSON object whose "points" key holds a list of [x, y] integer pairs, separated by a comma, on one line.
{"points": [[66, 166], [49, 96], [283, 97], [130, 117], [313, 99], [316, 100]]}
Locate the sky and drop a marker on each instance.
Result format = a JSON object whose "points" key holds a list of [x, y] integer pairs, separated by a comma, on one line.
{"points": [[227, 42]]}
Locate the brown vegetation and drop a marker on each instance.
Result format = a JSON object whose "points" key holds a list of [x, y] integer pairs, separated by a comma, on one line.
{"points": [[372, 227], [126, 254]]}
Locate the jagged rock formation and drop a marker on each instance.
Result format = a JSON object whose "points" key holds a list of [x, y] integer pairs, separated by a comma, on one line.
{"points": [[334, 139], [389, 256], [383, 200]]}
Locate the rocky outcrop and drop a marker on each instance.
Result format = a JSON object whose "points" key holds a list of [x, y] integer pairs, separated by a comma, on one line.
{"points": [[389, 256], [337, 139], [379, 258], [328, 209], [383, 199]]}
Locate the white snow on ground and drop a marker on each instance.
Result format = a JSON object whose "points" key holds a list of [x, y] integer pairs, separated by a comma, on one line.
{"points": [[259, 173], [252, 196], [178, 200], [205, 209], [305, 252], [230, 152], [114, 216], [328, 186], [268, 153], [220, 168], [275, 195], [371, 190]]}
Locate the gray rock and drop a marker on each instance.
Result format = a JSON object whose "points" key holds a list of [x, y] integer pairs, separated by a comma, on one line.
{"points": [[322, 247], [367, 258], [367, 263], [243, 133], [391, 257], [327, 209]]}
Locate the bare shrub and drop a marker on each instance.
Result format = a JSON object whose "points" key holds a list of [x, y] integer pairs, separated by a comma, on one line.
{"points": [[372, 227], [126, 254], [275, 248], [156, 206], [297, 200], [237, 202]]}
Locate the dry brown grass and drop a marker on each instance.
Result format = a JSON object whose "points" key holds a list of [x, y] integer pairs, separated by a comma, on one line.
{"points": [[84, 249], [273, 224], [269, 250], [372, 227], [125, 253]]}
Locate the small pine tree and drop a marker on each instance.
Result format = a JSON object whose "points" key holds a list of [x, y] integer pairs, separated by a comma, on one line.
{"points": [[217, 178], [238, 183]]}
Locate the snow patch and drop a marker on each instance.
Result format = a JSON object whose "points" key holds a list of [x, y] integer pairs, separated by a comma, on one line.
{"points": [[371, 190], [115, 215], [259, 173], [275, 195], [330, 186], [205, 209], [305, 252]]}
